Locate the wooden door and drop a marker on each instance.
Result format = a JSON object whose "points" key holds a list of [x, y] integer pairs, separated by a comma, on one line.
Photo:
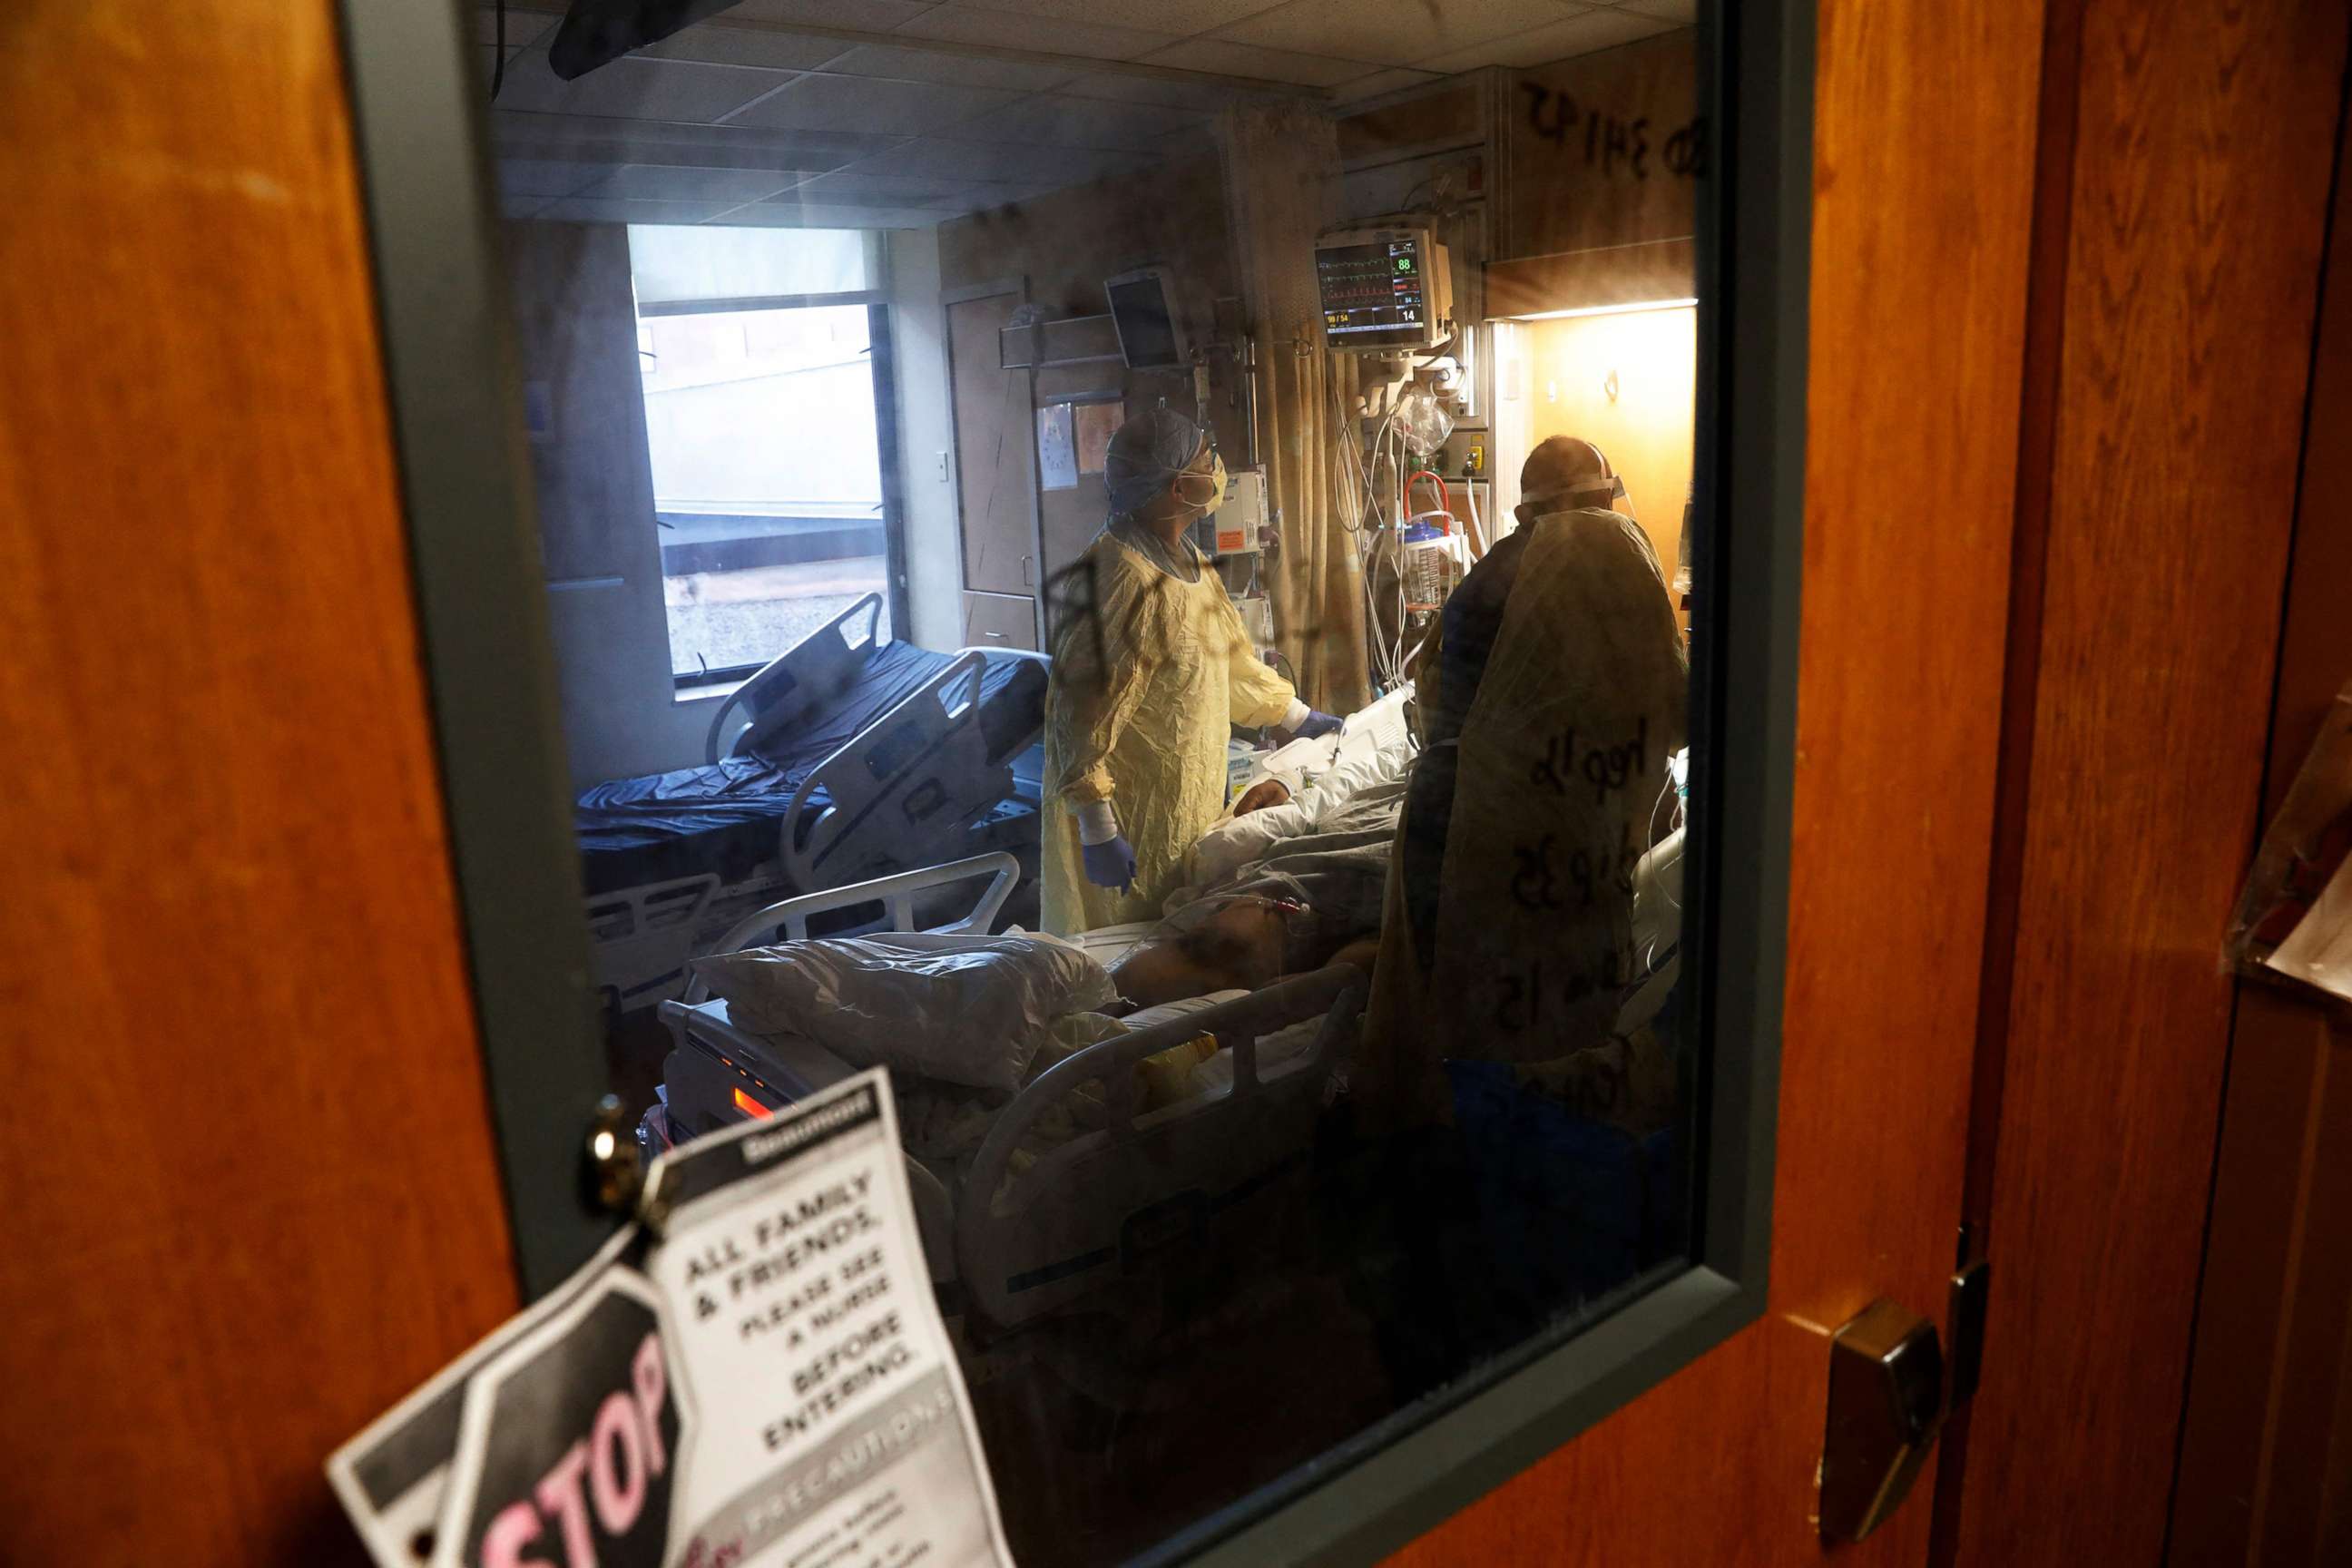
{"points": [[995, 451], [2266, 1425], [268, 1203], [2268, 1416], [262, 1199], [2042, 596], [1923, 180]]}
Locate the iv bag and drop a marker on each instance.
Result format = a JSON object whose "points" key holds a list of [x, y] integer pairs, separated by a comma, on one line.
{"points": [[1421, 420]]}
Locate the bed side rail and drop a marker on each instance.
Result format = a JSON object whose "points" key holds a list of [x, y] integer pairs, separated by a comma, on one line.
{"points": [[788, 688], [1173, 1147], [1026, 656], [897, 895], [897, 791]]}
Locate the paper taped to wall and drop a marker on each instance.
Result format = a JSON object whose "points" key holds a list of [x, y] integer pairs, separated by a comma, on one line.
{"points": [[2318, 951], [756, 1366], [2292, 914]]}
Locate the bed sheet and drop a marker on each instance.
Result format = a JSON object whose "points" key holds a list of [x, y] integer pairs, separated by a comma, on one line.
{"points": [[943, 1125], [723, 816]]}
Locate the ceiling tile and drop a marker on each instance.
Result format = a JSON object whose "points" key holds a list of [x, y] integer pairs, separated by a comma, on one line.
{"points": [[784, 215], [927, 64], [1206, 97], [1393, 32], [1052, 166], [1379, 82], [902, 190], [669, 181], [870, 107], [1004, 30], [1051, 120], [1684, 11], [635, 88], [583, 209], [1577, 36], [520, 205], [520, 135], [724, 46], [1228, 59], [613, 142], [859, 16], [548, 176]]}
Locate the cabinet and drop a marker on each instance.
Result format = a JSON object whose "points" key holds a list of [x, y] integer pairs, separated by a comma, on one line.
{"points": [[1000, 620]]}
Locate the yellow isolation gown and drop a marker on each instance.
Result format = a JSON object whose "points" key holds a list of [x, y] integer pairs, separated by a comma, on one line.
{"points": [[1557, 778], [1149, 672]]}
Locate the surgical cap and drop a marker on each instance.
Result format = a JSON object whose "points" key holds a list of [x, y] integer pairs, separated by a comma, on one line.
{"points": [[1146, 455]]}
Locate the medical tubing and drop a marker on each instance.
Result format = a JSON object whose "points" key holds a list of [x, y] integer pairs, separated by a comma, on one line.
{"points": [[1444, 501]]}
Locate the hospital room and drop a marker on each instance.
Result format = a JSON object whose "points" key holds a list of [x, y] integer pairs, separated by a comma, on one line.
{"points": [[956, 783], [1131, 565]]}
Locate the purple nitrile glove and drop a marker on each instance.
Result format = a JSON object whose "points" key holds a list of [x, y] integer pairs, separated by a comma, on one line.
{"points": [[1317, 725], [1111, 863]]}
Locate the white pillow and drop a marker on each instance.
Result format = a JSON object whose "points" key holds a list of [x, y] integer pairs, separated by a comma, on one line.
{"points": [[963, 1009], [1235, 841], [1238, 840]]}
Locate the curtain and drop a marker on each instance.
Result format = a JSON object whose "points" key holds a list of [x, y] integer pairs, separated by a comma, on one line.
{"points": [[1282, 184]]}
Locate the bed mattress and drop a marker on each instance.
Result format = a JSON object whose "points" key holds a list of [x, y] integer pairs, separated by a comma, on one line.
{"points": [[724, 816]]}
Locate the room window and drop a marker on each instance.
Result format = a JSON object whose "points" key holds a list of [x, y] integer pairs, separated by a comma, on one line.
{"points": [[764, 426]]}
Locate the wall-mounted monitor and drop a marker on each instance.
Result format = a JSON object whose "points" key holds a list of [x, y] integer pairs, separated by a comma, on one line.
{"points": [[1143, 311], [1383, 289]]}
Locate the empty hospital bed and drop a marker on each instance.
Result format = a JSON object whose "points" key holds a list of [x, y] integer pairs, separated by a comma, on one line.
{"points": [[1110, 1207], [847, 758]]}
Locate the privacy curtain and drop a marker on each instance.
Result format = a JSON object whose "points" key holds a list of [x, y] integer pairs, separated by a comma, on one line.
{"points": [[1282, 182]]}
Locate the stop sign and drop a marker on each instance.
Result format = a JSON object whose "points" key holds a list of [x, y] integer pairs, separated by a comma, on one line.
{"points": [[572, 1439]]}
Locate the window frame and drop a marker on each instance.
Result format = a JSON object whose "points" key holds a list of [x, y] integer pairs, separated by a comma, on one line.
{"points": [[454, 400], [883, 365]]}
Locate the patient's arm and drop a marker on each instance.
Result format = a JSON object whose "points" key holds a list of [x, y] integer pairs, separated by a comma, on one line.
{"points": [[1261, 795]]}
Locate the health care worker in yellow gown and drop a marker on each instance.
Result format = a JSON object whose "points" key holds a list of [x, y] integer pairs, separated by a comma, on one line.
{"points": [[1151, 665]]}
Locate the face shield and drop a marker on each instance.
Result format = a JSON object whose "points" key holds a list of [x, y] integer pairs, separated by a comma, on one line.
{"points": [[1568, 474], [1563, 501]]}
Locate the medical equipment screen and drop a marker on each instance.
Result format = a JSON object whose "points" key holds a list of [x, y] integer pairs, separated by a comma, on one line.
{"points": [[1147, 326], [1374, 295]]}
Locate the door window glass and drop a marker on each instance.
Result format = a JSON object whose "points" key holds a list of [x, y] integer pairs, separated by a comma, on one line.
{"points": [[1234, 467]]}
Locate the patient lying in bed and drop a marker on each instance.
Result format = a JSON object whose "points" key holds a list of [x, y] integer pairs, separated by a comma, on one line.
{"points": [[1307, 901], [1246, 945]]}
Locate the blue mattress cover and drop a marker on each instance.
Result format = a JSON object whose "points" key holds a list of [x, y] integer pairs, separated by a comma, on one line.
{"points": [[723, 816]]}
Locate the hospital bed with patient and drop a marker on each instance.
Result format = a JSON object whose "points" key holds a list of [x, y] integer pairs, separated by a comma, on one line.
{"points": [[849, 757], [1050, 1141], [1079, 1116], [1183, 1049]]}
